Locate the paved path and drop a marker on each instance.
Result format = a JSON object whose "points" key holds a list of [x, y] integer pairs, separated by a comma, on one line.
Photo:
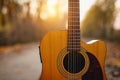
{"points": [[20, 63]]}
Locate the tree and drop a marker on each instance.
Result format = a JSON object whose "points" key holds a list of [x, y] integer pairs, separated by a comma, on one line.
{"points": [[2, 17], [99, 19]]}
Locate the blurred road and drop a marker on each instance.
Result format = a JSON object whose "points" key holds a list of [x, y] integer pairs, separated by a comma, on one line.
{"points": [[22, 62]]}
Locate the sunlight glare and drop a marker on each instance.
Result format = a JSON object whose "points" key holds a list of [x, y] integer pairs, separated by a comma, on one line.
{"points": [[51, 11], [51, 7], [33, 7], [118, 4], [52, 2], [43, 15]]}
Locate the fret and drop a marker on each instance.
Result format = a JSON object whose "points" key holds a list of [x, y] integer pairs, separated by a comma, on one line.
{"points": [[73, 48], [73, 15], [74, 32], [74, 29], [73, 25], [71, 29], [73, 7], [77, 34], [73, 2], [73, 44], [73, 12], [71, 40], [74, 35], [76, 14], [74, 18], [74, 40], [73, 21], [70, 49]]}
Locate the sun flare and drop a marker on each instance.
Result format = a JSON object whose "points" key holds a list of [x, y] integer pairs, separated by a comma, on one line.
{"points": [[33, 7], [53, 7]]}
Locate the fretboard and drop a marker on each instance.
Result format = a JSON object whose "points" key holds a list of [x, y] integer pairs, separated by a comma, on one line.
{"points": [[73, 25]]}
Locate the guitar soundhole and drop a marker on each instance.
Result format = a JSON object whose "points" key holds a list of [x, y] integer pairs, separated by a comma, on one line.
{"points": [[74, 62]]}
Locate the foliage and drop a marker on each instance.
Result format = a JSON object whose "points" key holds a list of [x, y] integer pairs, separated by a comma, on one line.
{"points": [[99, 19], [18, 25], [13, 27]]}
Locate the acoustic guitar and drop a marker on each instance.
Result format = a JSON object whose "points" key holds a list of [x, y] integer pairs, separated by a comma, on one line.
{"points": [[65, 56]]}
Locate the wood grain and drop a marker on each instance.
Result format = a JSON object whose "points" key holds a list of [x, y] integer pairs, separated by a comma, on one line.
{"points": [[53, 43]]}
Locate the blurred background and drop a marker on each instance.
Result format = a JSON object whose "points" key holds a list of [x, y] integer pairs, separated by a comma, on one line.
{"points": [[23, 23]]}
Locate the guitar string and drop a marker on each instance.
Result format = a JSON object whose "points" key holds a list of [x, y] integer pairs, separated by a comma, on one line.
{"points": [[78, 32], [75, 29], [68, 37], [73, 38], [75, 46], [72, 43]]}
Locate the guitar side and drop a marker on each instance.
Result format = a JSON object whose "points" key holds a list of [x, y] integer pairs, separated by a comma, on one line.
{"points": [[51, 46]]}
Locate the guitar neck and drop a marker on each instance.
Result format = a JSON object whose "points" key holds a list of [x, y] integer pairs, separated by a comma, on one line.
{"points": [[73, 25]]}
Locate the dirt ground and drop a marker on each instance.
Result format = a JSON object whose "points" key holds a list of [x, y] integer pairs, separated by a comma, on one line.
{"points": [[22, 62]]}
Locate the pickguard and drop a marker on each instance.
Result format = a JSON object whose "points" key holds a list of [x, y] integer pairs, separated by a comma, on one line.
{"points": [[94, 71]]}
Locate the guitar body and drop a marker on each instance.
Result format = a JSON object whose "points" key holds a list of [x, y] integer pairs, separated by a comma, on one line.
{"points": [[53, 56]]}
